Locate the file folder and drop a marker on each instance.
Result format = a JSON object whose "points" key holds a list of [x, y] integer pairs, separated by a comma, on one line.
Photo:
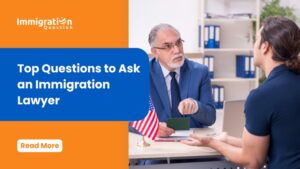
{"points": [[211, 36], [242, 66], [209, 62], [221, 99], [206, 36], [199, 40], [218, 95], [245, 66], [211, 66], [217, 36], [252, 67]]}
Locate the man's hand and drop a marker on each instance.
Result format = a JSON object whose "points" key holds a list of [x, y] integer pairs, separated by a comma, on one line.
{"points": [[188, 106], [164, 131], [197, 140]]}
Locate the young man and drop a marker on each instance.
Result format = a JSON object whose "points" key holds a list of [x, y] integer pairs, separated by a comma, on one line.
{"points": [[272, 110], [178, 87]]}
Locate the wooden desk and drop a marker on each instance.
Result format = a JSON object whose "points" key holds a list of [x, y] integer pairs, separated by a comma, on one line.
{"points": [[168, 150], [177, 150]]}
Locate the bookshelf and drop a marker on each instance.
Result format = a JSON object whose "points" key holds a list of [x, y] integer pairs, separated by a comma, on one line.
{"points": [[236, 38]]}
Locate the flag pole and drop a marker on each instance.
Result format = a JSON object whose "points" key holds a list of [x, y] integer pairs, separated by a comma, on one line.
{"points": [[143, 143]]}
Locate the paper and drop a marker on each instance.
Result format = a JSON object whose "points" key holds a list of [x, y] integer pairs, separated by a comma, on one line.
{"points": [[177, 136], [182, 133]]}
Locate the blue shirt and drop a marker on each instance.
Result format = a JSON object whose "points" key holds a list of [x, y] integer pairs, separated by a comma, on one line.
{"points": [[274, 109]]}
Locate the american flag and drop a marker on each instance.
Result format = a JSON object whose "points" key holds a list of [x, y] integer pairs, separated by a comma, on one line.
{"points": [[149, 125]]}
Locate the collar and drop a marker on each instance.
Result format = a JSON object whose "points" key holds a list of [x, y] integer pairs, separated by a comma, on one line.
{"points": [[275, 71], [166, 71]]}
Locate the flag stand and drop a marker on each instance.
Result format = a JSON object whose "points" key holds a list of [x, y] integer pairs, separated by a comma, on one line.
{"points": [[143, 143]]}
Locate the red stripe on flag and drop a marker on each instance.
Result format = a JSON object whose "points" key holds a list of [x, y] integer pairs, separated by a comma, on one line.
{"points": [[148, 121], [149, 125], [154, 130]]}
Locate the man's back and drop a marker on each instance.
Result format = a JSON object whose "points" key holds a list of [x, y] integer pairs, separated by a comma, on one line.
{"points": [[278, 100]]}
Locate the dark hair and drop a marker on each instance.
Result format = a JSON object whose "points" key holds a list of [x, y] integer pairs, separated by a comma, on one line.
{"points": [[283, 35]]}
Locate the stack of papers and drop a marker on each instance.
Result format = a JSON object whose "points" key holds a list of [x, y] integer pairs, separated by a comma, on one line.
{"points": [[177, 136]]}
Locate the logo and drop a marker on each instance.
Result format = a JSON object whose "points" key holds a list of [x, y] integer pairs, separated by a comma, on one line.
{"points": [[58, 23]]}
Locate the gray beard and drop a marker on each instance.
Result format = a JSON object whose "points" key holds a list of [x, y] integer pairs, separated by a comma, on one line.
{"points": [[176, 65]]}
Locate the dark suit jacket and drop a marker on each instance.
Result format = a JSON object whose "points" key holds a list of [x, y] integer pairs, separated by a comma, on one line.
{"points": [[194, 83]]}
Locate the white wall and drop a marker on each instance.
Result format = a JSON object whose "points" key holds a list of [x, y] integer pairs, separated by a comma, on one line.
{"points": [[145, 14], [182, 14], [294, 4]]}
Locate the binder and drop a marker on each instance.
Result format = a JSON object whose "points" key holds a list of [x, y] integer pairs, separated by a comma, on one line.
{"points": [[252, 67], [217, 36], [218, 95], [221, 99], [211, 66], [211, 36], [206, 60], [213, 94], [245, 66], [199, 40], [242, 66], [209, 62], [206, 36]]}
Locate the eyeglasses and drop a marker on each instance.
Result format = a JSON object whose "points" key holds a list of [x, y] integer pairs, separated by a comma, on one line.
{"points": [[169, 46]]}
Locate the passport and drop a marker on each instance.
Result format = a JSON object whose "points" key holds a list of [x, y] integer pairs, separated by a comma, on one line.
{"points": [[182, 123]]}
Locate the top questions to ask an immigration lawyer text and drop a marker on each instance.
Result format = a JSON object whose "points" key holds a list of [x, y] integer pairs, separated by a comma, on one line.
{"points": [[63, 83]]}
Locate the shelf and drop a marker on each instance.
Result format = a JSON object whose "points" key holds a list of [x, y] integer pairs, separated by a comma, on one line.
{"points": [[228, 50], [230, 20], [193, 55], [234, 80], [235, 37]]}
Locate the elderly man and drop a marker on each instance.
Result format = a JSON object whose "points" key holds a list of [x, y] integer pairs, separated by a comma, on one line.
{"points": [[178, 87]]}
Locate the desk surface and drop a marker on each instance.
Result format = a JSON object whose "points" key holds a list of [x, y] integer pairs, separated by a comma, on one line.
{"points": [[170, 149], [174, 149]]}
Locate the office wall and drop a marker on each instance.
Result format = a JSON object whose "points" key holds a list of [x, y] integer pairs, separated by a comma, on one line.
{"points": [[182, 14], [295, 4]]}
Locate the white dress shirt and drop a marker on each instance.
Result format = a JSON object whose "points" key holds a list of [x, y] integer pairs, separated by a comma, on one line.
{"points": [[168, 79]]}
